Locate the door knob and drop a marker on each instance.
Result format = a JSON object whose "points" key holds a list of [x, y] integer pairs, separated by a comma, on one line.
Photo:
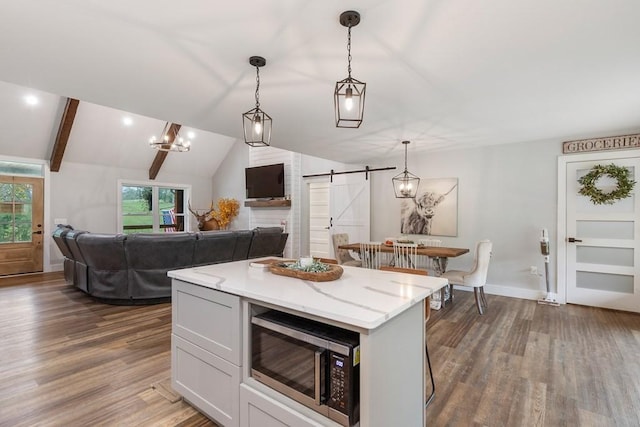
{"points": [[574, 240], [37, 232]]}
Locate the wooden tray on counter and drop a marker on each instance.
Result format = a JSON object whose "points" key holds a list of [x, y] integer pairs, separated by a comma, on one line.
{"points": [[334, 273]]}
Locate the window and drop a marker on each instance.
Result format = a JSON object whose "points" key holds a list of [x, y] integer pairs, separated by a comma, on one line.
{"points": [[15, 212], [152, 208]]}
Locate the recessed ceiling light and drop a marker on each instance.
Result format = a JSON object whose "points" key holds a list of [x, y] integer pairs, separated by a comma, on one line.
{"points": [[191, 135], [127, 121], [31, 100]]}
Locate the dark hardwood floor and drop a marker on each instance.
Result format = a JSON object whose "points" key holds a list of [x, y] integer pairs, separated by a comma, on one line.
{"points": [[66, 360]]}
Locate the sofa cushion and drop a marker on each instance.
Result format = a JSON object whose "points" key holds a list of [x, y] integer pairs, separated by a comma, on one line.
{"points": [[214, 247], [151, 256], [243, 243], [59, 237], [267, 242], [79, 264], [105, 257], [267, 230]]}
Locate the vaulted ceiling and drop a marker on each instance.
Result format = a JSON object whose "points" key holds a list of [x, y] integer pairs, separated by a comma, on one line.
{"points": [[446, 75]]}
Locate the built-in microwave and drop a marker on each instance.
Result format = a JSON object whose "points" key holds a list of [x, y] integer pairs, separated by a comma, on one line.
{"points": [[313, 363]]}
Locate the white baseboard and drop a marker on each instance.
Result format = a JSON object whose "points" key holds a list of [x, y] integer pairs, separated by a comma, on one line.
{"points": [[507, 291], [56, 267]]}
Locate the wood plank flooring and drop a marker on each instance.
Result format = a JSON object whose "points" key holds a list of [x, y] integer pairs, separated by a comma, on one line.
{"points": [[69, 361], [525, 364], [66, 360]]}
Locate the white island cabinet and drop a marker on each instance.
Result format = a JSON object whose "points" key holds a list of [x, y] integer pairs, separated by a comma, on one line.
{"points": [[211, 352]]}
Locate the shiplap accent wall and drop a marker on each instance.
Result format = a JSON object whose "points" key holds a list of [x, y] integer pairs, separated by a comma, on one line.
{"points": [[277, 217]]}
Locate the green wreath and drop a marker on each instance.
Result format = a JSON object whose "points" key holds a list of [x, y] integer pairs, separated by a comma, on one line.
{"points": [[599, 197]]}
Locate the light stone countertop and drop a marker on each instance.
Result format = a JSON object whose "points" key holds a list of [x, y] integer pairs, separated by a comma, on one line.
{"points": [[362, 297]]}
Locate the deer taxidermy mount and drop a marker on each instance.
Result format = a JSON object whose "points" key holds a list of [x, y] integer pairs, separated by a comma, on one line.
{"points": [[206, 221]]}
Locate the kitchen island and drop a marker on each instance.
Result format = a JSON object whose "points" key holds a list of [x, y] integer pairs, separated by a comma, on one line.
{"points": [[211, 343]]}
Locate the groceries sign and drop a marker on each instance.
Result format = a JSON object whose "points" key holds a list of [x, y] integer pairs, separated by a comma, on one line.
{"points": [[600, 144]]}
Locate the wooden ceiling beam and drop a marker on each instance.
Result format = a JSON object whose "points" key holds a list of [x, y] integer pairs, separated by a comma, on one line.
{"points": [[60, 144], [161, 155]]}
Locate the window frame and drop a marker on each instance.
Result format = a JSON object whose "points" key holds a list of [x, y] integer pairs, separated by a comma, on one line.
{"points": [[155, 213]]}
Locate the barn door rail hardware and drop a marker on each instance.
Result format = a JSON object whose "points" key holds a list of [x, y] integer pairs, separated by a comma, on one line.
{"points": [[366, 171]]}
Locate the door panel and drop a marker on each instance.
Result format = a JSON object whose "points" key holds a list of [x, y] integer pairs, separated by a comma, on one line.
{"points": [[319, 220], [603, 263], [21, 224], [350, 206], [342, 205]]}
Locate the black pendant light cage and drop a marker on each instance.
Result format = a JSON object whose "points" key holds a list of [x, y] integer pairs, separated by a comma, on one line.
{"points": [[405, 184], [349, 94], [255, 122]]}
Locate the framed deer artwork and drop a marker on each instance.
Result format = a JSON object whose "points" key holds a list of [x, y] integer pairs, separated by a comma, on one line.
{"points": [[434, 211]]}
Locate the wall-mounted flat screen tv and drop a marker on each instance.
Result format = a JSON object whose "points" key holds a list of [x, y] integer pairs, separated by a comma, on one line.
{"points": [[265, 182]]}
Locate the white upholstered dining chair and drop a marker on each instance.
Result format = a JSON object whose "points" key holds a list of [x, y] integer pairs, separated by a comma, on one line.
{"points": [[342, 255], [476, 277]]}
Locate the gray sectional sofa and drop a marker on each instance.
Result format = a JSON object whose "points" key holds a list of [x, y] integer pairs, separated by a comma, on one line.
{"points": [[132, 269]]}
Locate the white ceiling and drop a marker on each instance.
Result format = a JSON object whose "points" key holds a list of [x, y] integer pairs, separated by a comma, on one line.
{"points": [[446, 75]]}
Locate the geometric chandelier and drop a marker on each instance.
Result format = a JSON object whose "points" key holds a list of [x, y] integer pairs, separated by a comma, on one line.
{"points": [[405, 184], [170, 140], [348, 96], [255, 122]]}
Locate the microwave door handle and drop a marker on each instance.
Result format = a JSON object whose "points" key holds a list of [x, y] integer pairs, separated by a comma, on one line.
{"points": [[317, 379]]}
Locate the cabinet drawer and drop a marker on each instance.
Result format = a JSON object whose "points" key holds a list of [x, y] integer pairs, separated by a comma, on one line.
{"points": [[259, 410], [207, 318], [206, 381]]}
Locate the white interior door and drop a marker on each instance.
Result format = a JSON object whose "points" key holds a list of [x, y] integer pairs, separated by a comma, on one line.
{"points": [[319, 220], [351, 206], [602, 264]]}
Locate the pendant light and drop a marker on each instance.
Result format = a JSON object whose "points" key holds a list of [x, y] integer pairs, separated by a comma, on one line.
{"points": [[348, 96], [170, 140], [255, 122], [405, 184]]}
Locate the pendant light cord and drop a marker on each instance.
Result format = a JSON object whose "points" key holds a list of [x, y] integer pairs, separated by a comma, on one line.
{"points": [[405, 159], [349, 50], [257, 87]]}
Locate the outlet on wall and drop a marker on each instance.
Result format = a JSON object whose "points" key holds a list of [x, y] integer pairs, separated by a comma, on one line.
{"points": [[533, 270]]}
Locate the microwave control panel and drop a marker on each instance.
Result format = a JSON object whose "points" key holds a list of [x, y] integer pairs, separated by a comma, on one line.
{"points": [[339, 378]]}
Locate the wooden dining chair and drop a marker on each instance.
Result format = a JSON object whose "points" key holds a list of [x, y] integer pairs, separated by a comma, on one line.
{"points": [[327, 260], [427, 315], [370, 255], [405, 255]]}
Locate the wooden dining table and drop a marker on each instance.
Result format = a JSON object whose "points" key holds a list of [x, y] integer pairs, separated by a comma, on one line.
{"points": [[439, 256]]}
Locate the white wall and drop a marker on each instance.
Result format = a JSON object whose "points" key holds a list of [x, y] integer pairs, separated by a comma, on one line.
{"points": [[506, 193], [228, 182]]}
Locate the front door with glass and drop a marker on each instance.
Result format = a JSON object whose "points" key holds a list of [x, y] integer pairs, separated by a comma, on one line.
{"points": [[21, 224]]}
